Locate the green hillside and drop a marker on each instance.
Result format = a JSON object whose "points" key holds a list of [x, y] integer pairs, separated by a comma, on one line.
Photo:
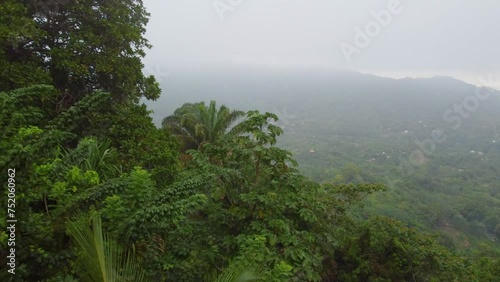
{"points": [[441, 165]]}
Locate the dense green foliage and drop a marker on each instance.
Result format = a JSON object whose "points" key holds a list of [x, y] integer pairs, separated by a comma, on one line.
{"points": [[104, 195], [345, 127]]}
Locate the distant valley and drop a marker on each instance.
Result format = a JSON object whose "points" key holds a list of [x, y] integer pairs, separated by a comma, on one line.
{"points": [[434, 142]]}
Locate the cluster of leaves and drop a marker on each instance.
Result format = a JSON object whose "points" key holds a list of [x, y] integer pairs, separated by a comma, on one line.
{"points": [[385, 250], [52, 174]]}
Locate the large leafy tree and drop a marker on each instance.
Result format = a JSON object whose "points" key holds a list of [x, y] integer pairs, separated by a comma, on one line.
{"points": [[198, 124], [77, 46], [20, 65], [84, 49]]}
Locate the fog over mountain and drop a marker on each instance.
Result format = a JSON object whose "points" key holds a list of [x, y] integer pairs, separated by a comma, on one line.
{"points": [[396, 92], [393, 38], [307, 92]]}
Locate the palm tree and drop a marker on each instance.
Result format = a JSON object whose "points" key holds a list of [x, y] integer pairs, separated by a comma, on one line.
{"points": [[237, 272], [101, 256], [103, 260], [197, 124]]}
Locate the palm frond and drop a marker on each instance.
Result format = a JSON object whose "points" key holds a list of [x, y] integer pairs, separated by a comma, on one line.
{"points": [[237, 272], [101, 256], [231, 119], [197, 124]]}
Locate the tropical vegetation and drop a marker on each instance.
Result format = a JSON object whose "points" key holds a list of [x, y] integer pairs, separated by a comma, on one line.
{"points": [[196, 124], [102, 194]]}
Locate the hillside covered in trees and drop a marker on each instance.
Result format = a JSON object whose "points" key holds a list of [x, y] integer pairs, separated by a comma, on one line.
{"points": [[440, 165], [93, 190]]}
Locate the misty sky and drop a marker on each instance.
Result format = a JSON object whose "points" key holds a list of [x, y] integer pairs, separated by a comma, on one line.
{"points": [[422, 37]]}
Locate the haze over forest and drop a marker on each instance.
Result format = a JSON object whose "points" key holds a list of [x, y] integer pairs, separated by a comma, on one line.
{"points": [[263, 140], [415, 108], [420, 39]]}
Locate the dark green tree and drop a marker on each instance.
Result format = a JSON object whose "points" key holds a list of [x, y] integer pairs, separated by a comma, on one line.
{"points": [[77, 46]]}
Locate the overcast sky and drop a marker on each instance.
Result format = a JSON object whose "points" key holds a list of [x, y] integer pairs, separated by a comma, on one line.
{"points": [[420, 38]]}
